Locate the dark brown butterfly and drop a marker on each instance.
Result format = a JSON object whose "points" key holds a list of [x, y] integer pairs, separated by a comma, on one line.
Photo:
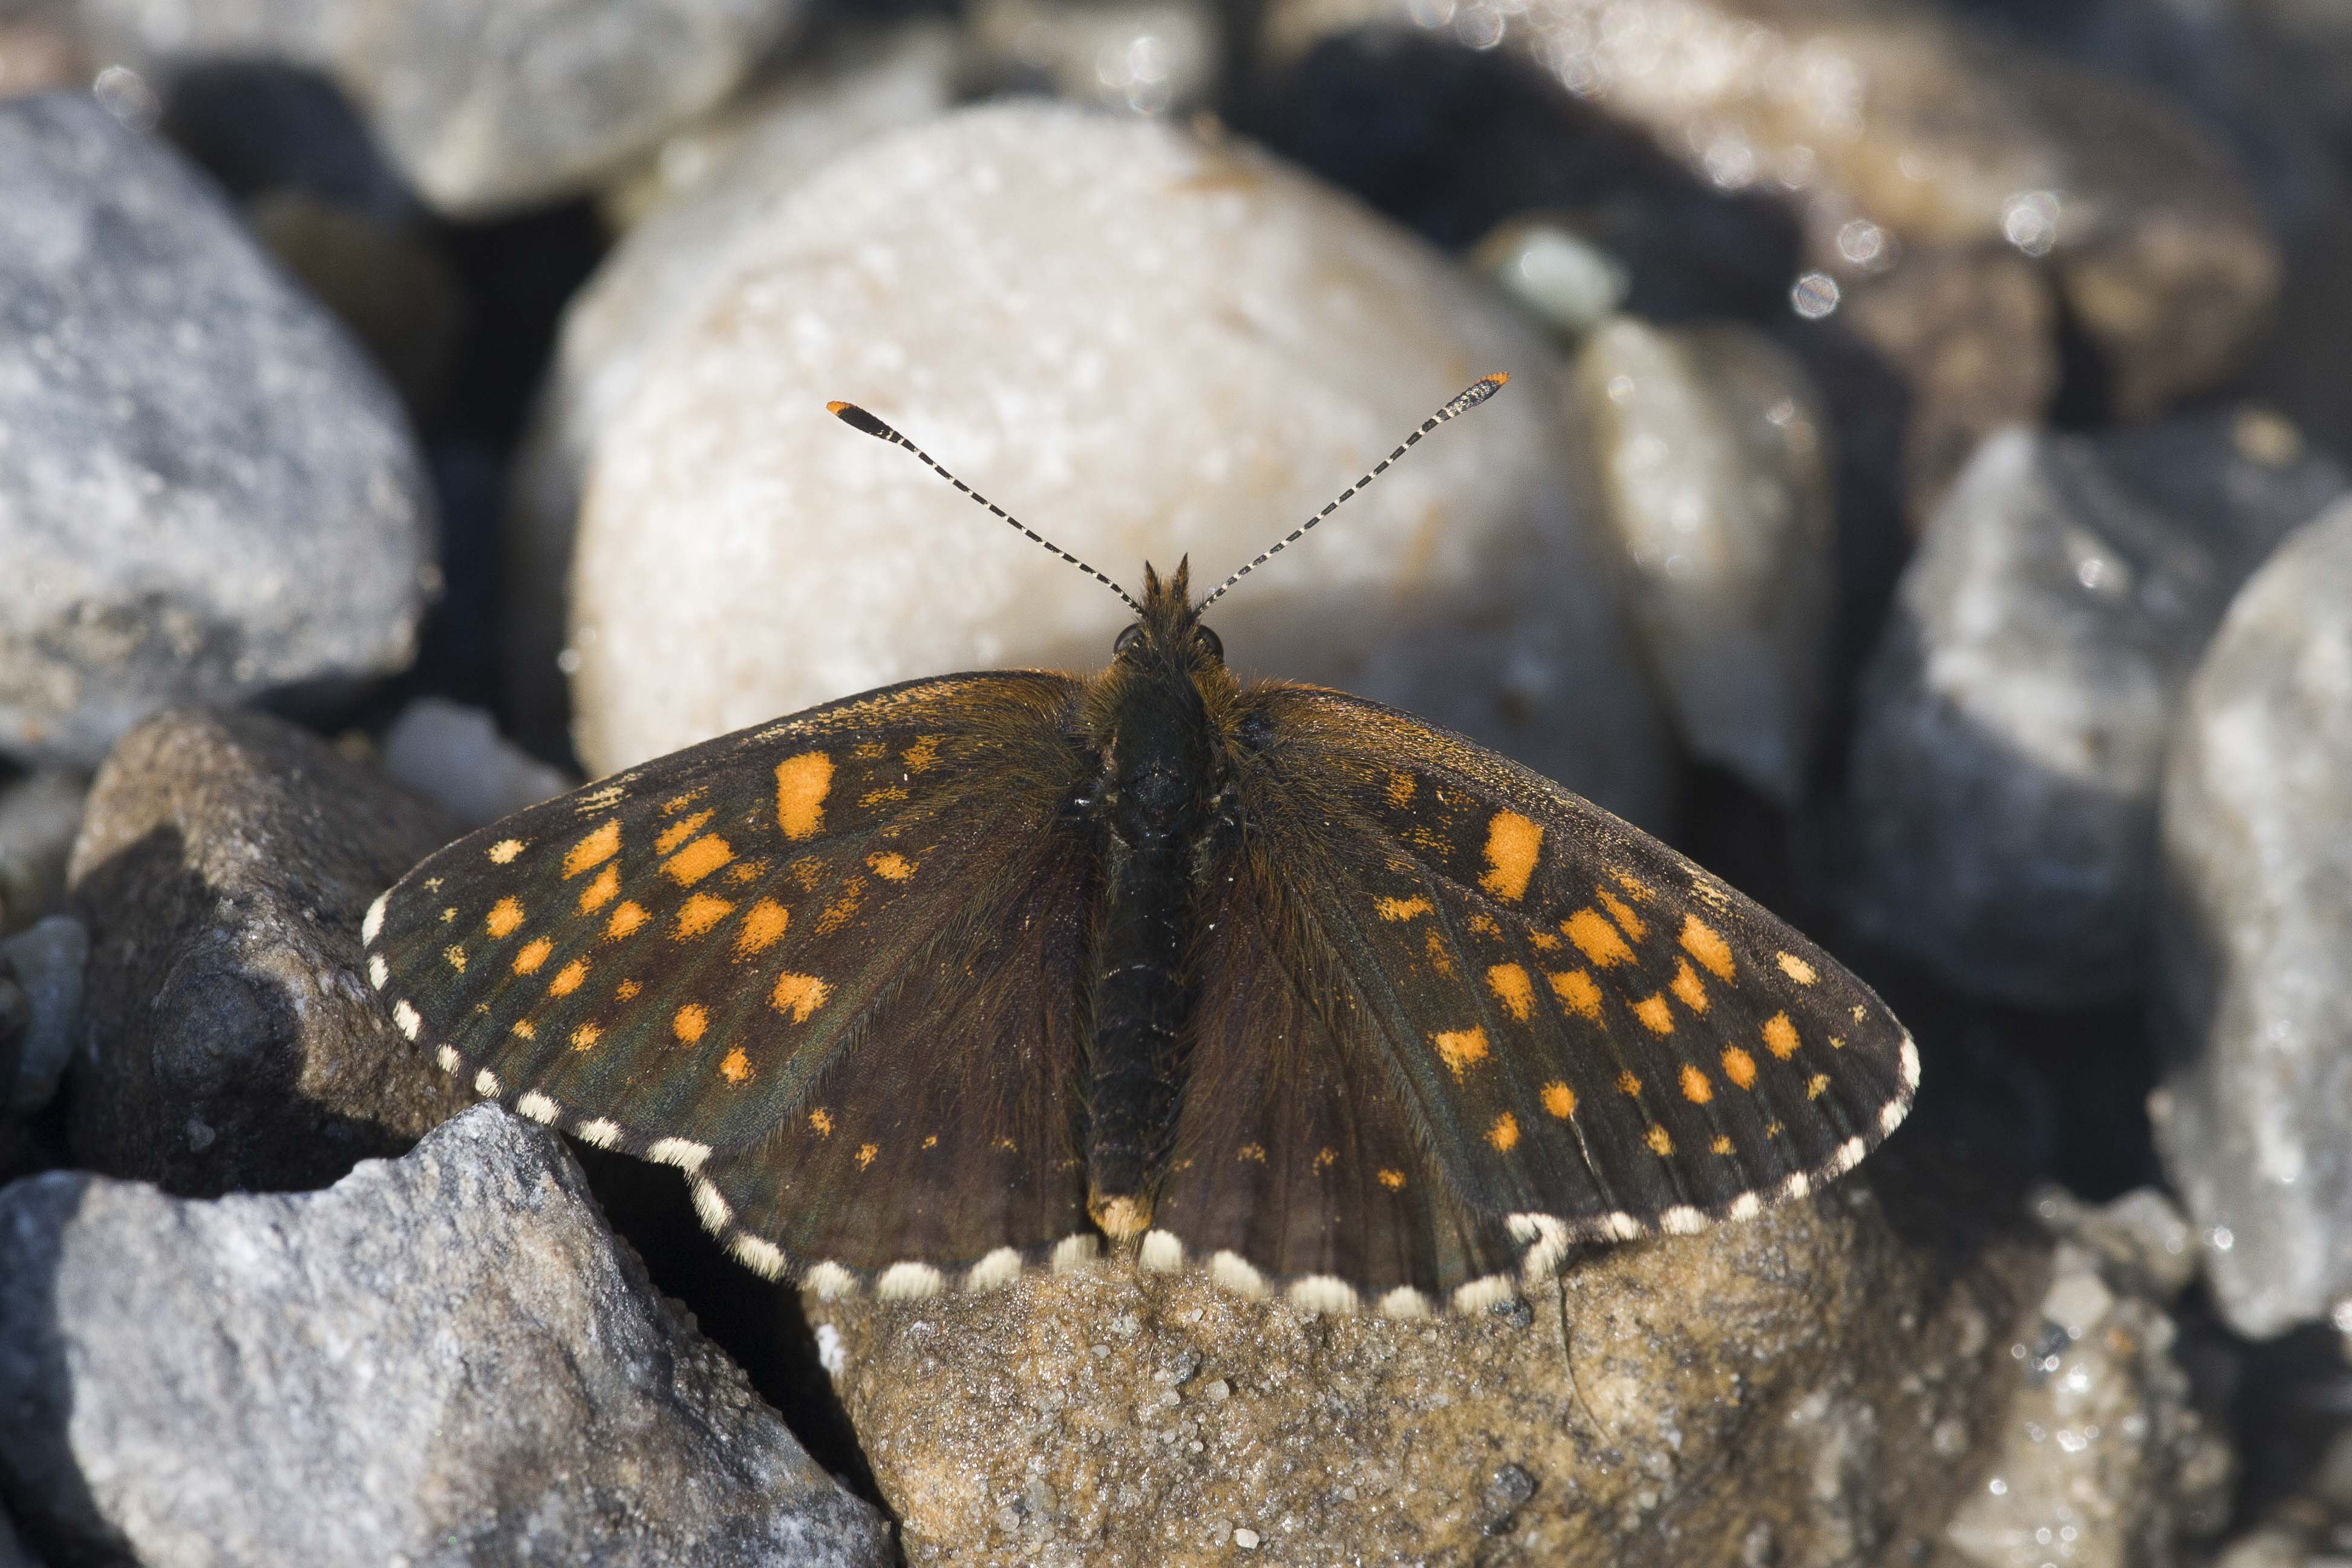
{"points": [[931, 985]]}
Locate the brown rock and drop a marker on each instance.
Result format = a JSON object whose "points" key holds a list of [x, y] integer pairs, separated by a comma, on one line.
{"points": [[230, 1039], [1809, 1388]]}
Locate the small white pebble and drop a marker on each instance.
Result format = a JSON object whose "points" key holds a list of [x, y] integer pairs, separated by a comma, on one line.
{"points": [[1219, 1389], [1246, 1540]]}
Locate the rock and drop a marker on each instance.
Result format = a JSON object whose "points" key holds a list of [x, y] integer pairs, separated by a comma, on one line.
{"points": [[12, 1551], [37, 53], [453, 757], [485, 109], [39, 816], [1924, 131], [2249, 1006], [704, 187], [1146, 56], [1836, 1401], [2101, 1458], [444, 1358], [47, 964], [2015, 711], [1555, 271], [1711, 449], [232, 1042], [1146, 345], [2139, 1238], [210, 494]]}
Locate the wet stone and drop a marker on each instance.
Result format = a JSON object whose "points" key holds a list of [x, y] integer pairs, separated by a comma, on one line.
{"points": [[2251, 1009], [1145, 344], [443, 1358], [2015, 712], [211, 495], [1712, 452], [231, 1038]]}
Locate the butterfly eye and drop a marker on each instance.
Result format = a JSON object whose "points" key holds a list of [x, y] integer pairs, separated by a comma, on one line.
{"points": [[1126, 640], [1211, 641]]}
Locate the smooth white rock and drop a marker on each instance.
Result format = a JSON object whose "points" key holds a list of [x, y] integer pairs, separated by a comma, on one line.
{"points": [[1144, 345], [454, 756]]}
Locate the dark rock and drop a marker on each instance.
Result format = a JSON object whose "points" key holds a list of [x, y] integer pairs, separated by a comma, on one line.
{"points": [[210, 493], [44, 966], [2015, 713], [2256, 920], [231, 1041], [442, 1359]]}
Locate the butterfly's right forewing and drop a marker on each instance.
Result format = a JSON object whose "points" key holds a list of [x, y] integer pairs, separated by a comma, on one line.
{"points": [[826, 965]]}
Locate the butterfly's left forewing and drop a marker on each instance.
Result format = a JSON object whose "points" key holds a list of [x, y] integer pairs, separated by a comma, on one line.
{"points": [[1448, 1014], [823, 966]]}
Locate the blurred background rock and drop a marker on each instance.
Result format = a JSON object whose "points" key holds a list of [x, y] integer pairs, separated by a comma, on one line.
{"points": [[1920, 496]]}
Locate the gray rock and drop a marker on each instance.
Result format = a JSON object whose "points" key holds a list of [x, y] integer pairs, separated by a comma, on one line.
{"points": [[2015, 712], [444, 1359], [1712, 451], [684, 210], [454, 756], [12, 1551], [2256, 920], [2140, 1238], [39, 815], [1925, 133], [230, 1039], [1554, 271], [484, 107], [206, 492], [47, 964], [1142, 57]]}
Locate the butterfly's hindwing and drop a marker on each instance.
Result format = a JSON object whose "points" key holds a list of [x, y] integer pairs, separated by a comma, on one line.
{"points": [[1449, 1014], [825, 966]]}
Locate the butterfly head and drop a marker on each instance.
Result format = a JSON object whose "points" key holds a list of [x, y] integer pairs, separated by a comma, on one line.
{"points": [[1167, 633]]}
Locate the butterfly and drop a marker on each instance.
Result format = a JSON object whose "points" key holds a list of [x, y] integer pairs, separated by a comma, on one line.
{"points": [[969, 974]]}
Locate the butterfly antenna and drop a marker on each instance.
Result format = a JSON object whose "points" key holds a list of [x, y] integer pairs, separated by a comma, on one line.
{"points": [[856, 418], [1476, 392]]}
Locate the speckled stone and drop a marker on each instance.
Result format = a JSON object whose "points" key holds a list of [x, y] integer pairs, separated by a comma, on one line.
{"points": [[207, 493], [231, 1040], [1903, 119], [441, 1358], [2250, 1005], [1145, 344], [1110, 1418]]}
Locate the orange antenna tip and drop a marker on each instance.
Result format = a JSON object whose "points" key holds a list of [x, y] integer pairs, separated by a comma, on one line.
{"points": [[1500, 378], [856, 418], [834, 407]]}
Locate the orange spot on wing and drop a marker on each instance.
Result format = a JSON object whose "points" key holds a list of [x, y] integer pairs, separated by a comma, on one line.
{"points": [[1440, 957], [1505, 1134], [1781, 1035], [1511, 987], [1721, 1145], [699, 913], [1460, 1048], [568, 978], [1484, 925], [822, 1120], [763, 923], [1659, 1140], [1817, 1085], [1635, 888], [1393, 1180], [1577, 993], [1399, 790], [688, 1022], [890, 796], [1596, 938], [699, 859], [504, 917], [802, 784], [1325, 1159], [1740, 1067], [1544, 941], [1559, 1099], [677, 833], [1656, 1016], [890, 866], [1400, 908], [1628, 1084], [1696, 1088], [456, 957], [626, 920], [593, 851], [504, 851], [601, 891], [737, 1068], [524, 1029], [921, 755], [1622, 913], [865, 1152], [799, 995], [586, 1037], [533, 954], [627, 990], [1512, 842], [1255, 1151], [843, 909], [1797, 969], [1700, 941], [1689, 987]]}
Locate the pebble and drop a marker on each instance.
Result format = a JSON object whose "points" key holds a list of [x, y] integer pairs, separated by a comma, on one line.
{"points": [[2251, 1011], [454, 756], [1923, 130], [39, 815], [1144, 344], [1712, 453], [214, 495], [1555, 271], [485, 109], [682, 210], [2014, 715], [231, 1039], [445, 1357], [47, 964]]}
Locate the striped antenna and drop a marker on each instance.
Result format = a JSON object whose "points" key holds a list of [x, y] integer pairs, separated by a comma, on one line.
{"points": [[856, 418], [1476, 392]]}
